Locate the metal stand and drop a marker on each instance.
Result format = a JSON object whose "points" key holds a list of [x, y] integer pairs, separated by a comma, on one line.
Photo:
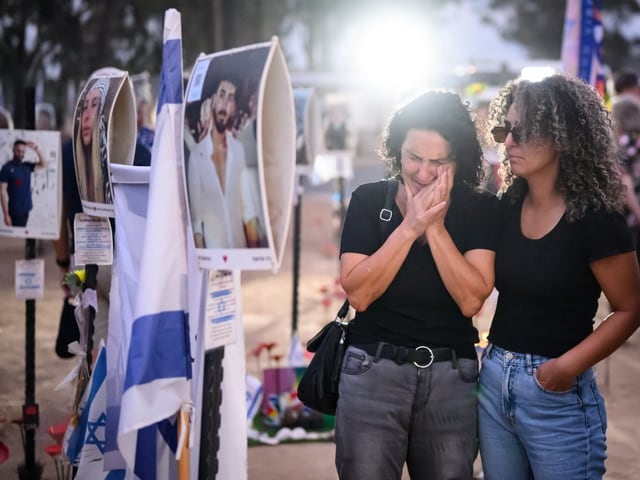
{"points": [[297, 220], [30, 469], [90, 281]]}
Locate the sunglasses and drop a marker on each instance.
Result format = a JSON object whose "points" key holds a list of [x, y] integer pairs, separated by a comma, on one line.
{"points": [[500, 133]]}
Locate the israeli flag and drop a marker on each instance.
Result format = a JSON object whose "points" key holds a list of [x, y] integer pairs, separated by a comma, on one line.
{"points": [[84, 442], [158, 370], [582, 42]]}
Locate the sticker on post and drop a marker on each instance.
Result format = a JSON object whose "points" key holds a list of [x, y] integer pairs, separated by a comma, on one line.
{"points": [[221, 308], [30, 279], [93, 240]]}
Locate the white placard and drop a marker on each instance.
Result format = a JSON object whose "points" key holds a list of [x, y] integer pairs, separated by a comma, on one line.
{"points": [[30, 279], [40, 193], [221, 308], [93, 240]]}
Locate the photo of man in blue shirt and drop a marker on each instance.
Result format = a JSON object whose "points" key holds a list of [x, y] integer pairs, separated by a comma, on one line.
{"points": [[15, 184]]}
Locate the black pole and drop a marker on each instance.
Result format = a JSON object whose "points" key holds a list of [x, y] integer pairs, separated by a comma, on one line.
{"points": [[90, 281], [30, 469], [297, 220]]}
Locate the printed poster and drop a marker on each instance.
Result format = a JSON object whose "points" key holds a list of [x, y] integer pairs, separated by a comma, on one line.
{"points": [[30, 184], [104, 131], [240, 157]]}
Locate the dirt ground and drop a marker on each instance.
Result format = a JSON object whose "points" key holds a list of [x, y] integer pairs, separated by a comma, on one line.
{"points": [[267, 312]]}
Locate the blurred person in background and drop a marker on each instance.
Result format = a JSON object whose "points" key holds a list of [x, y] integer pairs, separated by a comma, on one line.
{"points": [[145, 133], [626, 87], [563, 241], [45, 117], [626, 122]]}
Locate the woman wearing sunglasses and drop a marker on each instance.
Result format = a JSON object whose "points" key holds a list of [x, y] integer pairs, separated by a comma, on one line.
{"points": [[563, 241]]}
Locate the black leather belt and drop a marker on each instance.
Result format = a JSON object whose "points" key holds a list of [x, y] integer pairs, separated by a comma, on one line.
{"points": [[422, 356]]}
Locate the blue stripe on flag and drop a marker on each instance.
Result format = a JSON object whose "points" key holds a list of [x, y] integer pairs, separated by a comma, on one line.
{"points": [[146, 463], [170, 90], [160, 349], [169, 432], [147, 447], [587, 42], [116, 475]]}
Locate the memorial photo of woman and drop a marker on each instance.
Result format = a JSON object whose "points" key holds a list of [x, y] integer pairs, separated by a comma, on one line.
{"points": [[90, 147]]}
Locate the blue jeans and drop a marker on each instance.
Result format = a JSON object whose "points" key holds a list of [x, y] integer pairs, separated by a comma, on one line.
{"points": [[389, 414], [528, 432]]}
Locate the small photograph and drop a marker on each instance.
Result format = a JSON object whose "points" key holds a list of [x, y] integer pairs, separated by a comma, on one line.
{"points": [[45, 117], [103, 106], [30, 187]]}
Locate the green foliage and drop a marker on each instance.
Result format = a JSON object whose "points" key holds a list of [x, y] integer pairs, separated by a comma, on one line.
{"points": [[62, 42], [538, 26]]}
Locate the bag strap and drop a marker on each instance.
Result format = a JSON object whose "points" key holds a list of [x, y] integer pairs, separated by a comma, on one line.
{"points": [[342, 313], [386, 213]]}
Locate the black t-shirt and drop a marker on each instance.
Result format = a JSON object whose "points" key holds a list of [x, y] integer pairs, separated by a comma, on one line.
{"points": [[416, 309], [548, 295]]}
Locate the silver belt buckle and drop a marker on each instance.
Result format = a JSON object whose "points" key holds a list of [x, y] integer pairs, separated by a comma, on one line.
{"points": [[428, 364]]}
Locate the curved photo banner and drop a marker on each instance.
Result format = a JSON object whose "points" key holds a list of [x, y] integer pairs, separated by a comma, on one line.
{"points": [[104, 132], [30, 184], [277, 148], [308, 128], [240, 157]]}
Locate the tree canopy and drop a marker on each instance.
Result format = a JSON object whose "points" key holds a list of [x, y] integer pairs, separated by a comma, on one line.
{"points": [[538, 26], [58, 44]]}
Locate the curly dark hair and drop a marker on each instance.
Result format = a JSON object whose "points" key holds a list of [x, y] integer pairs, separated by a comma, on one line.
{"points": [[571, 115], [442, 112]]}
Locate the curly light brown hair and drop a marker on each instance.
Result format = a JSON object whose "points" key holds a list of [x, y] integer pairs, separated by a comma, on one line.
{"points": [[570, 114]]}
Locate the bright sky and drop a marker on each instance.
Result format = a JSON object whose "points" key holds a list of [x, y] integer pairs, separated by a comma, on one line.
{"points": [[465, 38], [474, 40]]}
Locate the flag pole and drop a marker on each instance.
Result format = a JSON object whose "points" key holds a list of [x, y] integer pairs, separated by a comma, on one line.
{"points": [[184, 465]]}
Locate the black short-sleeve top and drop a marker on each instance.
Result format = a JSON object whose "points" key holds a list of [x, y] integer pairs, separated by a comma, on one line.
{"points": [[416, 309], [548, 295]]}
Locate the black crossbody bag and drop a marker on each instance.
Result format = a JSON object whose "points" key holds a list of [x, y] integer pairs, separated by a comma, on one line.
{"points": [[318, 387]]}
